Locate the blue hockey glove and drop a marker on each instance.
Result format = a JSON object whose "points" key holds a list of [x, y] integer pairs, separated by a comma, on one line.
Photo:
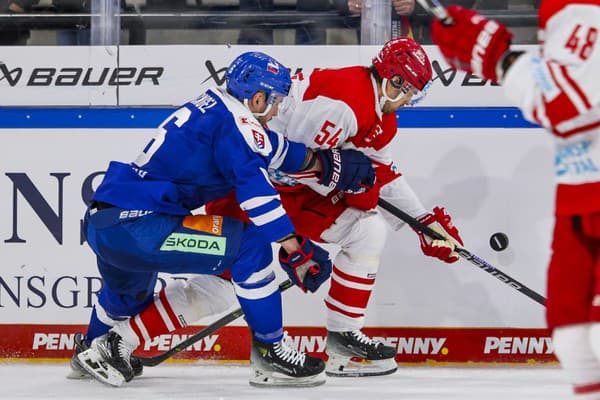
{"points": [[347, 170], [308, 267]]}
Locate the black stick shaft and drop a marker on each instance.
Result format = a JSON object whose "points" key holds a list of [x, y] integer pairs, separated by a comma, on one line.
{"points": [[464, 253], [218, 324]]}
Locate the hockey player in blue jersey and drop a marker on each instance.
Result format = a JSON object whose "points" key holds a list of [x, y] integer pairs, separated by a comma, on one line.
{"points": [[142, 221]]}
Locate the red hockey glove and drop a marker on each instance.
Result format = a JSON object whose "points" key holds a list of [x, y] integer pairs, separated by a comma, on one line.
{"points": [[472, 43], [308, 267], [363, 201], [384, 173], [440, 222]]}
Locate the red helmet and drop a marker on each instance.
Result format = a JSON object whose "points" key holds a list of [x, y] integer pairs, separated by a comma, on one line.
{"points": [[405, 57]]}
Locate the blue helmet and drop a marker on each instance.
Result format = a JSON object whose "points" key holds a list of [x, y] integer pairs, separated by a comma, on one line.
{"points": [[254, 71]]}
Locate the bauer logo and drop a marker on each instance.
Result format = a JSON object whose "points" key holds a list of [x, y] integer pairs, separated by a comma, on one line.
{"points": [[517, 345], [11, 76], [81, 76]]}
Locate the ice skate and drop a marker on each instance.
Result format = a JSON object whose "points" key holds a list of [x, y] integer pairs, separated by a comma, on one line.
{"points": [[343, 348], [108, 360], [279, 365], [77, 371]]}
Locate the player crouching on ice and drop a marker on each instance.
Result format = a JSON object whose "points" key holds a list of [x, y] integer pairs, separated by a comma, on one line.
{"points": [[141, 222]]}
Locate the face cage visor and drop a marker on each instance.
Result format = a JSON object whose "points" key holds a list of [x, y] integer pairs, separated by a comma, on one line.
{"points": [[272, 98], [406, 89]]}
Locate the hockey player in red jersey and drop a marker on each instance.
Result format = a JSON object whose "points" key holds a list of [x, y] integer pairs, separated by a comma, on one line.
{"points": [[556, 87], [354, 108]]}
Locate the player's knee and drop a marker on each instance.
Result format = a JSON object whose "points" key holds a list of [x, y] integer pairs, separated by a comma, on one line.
{"points": [[367, 239], [573, 348], [210, 294], [260, 284]]}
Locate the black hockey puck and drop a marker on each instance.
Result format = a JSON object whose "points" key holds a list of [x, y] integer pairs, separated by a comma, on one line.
{"points": [[499, 241]]}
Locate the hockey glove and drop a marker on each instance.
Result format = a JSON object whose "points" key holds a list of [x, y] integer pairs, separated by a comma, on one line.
{"points": [[308, 267], [472, 43], [364, 201], [440, 222], [346, 170]]}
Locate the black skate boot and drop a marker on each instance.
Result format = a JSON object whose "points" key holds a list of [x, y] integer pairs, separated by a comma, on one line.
{"points": [[78, 371], [107, 359], [277, 364], [343, 347]]}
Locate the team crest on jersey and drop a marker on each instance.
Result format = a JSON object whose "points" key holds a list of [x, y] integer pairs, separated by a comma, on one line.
{"points": [[274, 68], [259, 139]]}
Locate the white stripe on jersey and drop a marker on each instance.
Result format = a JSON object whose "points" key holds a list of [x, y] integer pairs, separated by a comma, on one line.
{"points": [[267, 217], [258, 201], [140, 324], [163, 313], [280, 152]]}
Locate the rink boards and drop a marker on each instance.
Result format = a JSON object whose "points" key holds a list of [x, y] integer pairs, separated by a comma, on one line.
{"points": [[492, 171]]}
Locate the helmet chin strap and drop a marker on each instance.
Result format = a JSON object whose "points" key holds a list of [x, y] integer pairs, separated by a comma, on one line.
{"points": [[261, 114], [385, 97]]}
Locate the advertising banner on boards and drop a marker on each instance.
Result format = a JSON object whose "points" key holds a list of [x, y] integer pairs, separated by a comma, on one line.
{"points": [[491, 180]]}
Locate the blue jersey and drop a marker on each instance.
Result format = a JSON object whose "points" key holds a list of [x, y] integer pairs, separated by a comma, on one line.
{"points": [[204, 150]]}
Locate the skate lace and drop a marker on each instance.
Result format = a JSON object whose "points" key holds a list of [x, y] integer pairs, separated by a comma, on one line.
{"points": [[287, 353], [362, 338], [124, 349]]}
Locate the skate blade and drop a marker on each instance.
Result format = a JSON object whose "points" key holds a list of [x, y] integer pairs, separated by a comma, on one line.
{"points": [[340, 366], [77, 371], [99, 369], [265, 379]]}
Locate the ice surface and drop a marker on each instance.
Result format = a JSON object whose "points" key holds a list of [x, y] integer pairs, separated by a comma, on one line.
{"points": [[27, 380]]}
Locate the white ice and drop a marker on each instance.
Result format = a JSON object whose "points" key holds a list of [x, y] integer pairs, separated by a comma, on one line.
{"points": [[230, 382]]}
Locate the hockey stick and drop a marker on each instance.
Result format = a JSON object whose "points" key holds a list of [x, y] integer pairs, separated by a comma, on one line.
{"points": [[218, 324], [434, 8], [464, 253]]}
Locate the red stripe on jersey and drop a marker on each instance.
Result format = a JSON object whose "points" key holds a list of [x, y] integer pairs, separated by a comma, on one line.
{"points": [[134, 326], [350, 297], [339, 310], [587, 389], [352, 278], [167, 306], [580, 129], [575, 87], [153, 321]]}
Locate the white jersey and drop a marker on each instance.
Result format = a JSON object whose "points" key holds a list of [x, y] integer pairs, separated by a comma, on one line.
{"points": [[339, 108], [558, 88]]}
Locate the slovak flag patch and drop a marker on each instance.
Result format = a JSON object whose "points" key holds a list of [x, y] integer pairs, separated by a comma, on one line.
{"points": [[259, 139], [274, 68]]}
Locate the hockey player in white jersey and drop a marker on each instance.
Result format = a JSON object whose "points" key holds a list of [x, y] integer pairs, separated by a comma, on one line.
{"points": [[355, 108], [557, 87], [141, 222]]}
